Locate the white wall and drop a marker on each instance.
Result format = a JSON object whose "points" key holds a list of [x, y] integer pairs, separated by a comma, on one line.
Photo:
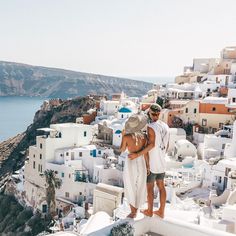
{"points": [[69, 185], [109, 107], [109, 176], [124, 115], [71, 135], [185, 149], [214, 142], [231, 97], [175, 135]]}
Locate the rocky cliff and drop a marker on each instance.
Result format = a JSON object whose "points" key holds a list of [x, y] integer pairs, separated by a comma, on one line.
{"points": [[26, 80], [12, 151]]}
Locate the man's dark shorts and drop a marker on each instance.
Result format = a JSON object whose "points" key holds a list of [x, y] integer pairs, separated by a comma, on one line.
{"points": [[153, 177]]}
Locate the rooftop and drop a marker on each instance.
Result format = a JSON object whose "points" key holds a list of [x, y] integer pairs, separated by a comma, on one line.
{"points": [[67, 125], [214, 100], [169, 226], [179, 102]]}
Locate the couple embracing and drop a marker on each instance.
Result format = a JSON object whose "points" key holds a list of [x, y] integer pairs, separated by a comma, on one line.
{"points": [[145, 162]]}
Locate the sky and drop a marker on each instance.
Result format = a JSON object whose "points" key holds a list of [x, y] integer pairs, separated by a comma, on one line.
{"points": [[126, 38]]}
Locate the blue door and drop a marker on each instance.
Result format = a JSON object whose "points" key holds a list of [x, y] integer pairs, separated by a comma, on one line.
{"points": [[94, 153]]}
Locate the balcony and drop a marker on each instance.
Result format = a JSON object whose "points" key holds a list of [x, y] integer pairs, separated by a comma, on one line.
{"points": [[81, 176]]}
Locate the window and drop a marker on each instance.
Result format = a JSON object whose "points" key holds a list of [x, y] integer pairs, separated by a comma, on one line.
{"points": [[41, 145], [195, 110], [69, 176], [67, 194], [204, 122], [67, 153], [223, 146], [185, 94], [72, 156], [85, 133], [34, 164], [213, 109], [40, 156], [91, 152], [80, 154], [99, 152], [220, 180], [227, 170], [233, 99], [186, 110], [34, 155], [44, 208], [62, 174], [39, 167], [208, 90]]}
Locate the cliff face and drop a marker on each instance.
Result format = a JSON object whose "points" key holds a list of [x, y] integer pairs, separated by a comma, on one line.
{"points": [[12, 151], [26, 80]]}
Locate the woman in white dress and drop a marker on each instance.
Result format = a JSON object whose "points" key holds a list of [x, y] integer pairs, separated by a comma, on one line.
{"points": [[135, 171]]}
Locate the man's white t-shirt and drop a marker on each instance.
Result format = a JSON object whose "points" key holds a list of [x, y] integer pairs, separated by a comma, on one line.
{"points": [[157, 154]]}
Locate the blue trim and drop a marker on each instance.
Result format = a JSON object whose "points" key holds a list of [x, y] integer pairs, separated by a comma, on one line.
{"points": [[125, 110]]}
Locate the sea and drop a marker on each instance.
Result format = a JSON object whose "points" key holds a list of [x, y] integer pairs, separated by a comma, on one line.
{"points": [[17, 113]]}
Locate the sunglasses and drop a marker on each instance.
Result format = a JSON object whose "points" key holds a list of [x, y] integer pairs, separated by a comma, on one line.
{"points": [[154, 114]]}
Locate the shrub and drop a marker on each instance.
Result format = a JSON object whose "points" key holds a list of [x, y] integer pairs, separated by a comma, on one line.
{"points": [[124, 229]]}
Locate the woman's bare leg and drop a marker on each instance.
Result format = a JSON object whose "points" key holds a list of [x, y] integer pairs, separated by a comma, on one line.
{"points": [[133, 212]]}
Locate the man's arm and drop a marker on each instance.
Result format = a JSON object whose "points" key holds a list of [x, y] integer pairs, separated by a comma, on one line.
{"points": [[150, 146], [146, 157], [168, 140]]}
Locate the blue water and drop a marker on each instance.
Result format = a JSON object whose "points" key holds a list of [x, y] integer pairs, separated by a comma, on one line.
{"points": [[16, 114], [190, 165]]}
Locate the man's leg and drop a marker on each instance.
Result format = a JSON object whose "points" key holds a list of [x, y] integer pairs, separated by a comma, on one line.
{"points": [[162, 190], [150, 197]]}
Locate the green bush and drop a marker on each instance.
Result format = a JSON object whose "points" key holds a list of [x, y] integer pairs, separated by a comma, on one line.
{"points": [[38, 224], [124, 229], [14, 218]]}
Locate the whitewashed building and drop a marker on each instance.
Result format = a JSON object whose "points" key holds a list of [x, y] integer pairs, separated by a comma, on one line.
{"points": [[231, 99], [175, 135], [109, 107], [50, 153]]}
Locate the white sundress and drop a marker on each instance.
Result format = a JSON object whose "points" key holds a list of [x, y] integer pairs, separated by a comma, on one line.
{"points": [[135, 179]]}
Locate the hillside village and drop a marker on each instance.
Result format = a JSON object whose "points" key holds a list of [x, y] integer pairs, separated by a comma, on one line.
{"points": [[75, 170]]}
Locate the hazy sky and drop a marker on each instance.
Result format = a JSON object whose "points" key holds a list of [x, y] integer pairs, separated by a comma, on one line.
{"points": [[116, 37]]}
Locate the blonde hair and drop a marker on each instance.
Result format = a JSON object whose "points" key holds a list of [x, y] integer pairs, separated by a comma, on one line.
{"points": [[138, 135]]}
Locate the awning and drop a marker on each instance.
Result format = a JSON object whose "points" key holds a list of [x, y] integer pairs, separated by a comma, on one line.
{"points": [[46, 129]]}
